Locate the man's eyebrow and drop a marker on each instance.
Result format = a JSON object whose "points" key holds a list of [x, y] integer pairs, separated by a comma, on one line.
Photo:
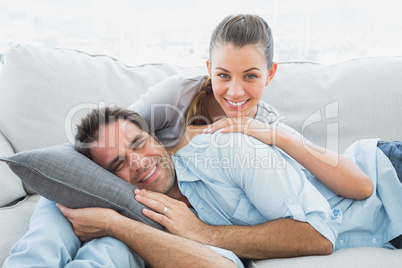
{"points": [[134, 140], [113, 162]]}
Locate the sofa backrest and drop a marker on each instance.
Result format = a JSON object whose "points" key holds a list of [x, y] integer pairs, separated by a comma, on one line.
{"points": [[43, 88], [335, 105], [45, 91]]}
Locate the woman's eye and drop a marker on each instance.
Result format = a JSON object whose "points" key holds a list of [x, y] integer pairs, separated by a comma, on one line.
{"points": [[223, 76], [251, 76]]}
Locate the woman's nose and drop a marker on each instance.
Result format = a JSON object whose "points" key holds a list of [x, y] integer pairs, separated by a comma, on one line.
{"points": [[235, 90]]}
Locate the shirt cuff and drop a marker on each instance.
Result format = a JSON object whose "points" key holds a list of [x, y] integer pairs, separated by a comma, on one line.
{"points": [[228, 255]]}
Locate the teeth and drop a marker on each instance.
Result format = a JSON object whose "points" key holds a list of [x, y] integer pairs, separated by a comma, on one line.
{"points": [[237, 103], [149, 175]]}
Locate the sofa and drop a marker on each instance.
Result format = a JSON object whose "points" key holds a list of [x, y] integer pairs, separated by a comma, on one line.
{"points": [[44, 92]]}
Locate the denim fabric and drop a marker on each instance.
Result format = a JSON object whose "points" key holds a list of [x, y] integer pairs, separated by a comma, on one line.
{"points": [[393, 150]]}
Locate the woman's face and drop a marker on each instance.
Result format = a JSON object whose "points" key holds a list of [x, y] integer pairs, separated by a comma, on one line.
{"points": [[239, 76]]}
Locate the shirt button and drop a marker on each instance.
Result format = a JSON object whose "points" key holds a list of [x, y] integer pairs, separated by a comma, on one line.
{"points": [[374, 240], [341, 242], [199, 206]]}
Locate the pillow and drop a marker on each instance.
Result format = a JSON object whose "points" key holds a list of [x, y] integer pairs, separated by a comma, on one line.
{"points": [[65, 176], [11, 187]]}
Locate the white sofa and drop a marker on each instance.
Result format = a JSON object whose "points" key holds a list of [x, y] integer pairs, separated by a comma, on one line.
{"points": [[45, 91]]}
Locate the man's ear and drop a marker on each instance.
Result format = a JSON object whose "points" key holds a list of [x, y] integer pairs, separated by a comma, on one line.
{"points": [[271, 73], [209, 67]]}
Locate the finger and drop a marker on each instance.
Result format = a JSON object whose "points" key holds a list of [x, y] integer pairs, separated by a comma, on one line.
{"points": [[159, 218], [63, 210], [157, 197], [222, 123], [230, 129], [157, 206]]}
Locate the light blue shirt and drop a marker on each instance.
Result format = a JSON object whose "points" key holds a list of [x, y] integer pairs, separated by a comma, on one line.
{"points": [[233, 179], [378, 219]]}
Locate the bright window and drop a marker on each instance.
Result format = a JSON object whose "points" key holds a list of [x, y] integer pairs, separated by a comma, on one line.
{"points": [[138, 32]]}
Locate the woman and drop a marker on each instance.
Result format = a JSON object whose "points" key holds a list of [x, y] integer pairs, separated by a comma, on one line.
{"points": [[240, 66]]}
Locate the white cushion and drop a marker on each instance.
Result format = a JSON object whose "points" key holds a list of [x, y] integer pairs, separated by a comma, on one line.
{"points": [[43, 88], [10, 185], [14, 223], [345, 258], [356, 99]]}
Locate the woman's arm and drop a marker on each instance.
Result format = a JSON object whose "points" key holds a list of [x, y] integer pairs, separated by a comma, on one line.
{"points": [[337, 172]]}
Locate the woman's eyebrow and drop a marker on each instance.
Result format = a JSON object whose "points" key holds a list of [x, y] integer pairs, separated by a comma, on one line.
{"points": [[251, 69]]}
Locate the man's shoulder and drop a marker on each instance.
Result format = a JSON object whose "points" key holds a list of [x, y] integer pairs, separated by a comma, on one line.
{"points": [[223, 143]]}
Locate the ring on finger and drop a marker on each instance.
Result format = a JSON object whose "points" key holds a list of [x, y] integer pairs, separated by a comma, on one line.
{"points": [[234, 119], [165, 210]]}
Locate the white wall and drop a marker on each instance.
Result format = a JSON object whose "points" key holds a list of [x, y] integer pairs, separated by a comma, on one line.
{"points": [[137, 32]]}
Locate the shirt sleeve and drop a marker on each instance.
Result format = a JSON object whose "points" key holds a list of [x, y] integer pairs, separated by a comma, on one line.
{"points": [[228, 255], [156, 104], [276, 186]]}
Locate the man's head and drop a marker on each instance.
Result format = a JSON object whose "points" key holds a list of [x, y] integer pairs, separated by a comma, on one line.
{"points": [[119, 140]]}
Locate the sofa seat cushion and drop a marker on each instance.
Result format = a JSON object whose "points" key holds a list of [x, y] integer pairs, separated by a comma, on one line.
{"points": [[14, 223], [345, 258]]}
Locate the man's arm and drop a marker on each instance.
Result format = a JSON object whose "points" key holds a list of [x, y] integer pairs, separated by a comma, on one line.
{"points": [[274, 239], [158, 248]]}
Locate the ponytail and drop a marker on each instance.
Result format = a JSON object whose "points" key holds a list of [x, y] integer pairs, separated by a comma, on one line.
{"points": [[197, 112]]}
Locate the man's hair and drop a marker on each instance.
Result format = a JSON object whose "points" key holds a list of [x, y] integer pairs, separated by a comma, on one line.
{"points": [[88, 129]]}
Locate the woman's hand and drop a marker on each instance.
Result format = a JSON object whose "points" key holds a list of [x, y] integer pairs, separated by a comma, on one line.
{"points": [[90, 223], [249, 126], [178, 219]]}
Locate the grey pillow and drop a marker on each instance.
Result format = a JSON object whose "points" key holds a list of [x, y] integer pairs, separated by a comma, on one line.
{"points": [[65, 176]]}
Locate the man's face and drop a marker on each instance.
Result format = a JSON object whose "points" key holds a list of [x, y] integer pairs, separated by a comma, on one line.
{"points": [[133, 155]]}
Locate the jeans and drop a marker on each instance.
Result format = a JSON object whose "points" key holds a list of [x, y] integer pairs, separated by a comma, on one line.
{"points": [[393, 150]]}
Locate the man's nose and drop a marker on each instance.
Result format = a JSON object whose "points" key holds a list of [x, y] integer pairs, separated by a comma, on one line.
{"points": [[135, 161]]}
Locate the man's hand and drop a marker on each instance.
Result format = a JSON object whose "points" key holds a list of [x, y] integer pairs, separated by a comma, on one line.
{"points": [[178, 219], [158, 248], [90, 223]]}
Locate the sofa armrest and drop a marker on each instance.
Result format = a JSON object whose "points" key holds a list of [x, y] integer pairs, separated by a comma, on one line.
{"points": [[11, 187]]}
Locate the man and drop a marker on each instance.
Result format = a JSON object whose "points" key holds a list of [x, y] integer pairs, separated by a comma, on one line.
{"points": [[285, 193]]}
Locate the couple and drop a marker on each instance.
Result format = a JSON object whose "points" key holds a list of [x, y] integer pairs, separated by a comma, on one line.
{"points": [[240, 66], [239, 205]]}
